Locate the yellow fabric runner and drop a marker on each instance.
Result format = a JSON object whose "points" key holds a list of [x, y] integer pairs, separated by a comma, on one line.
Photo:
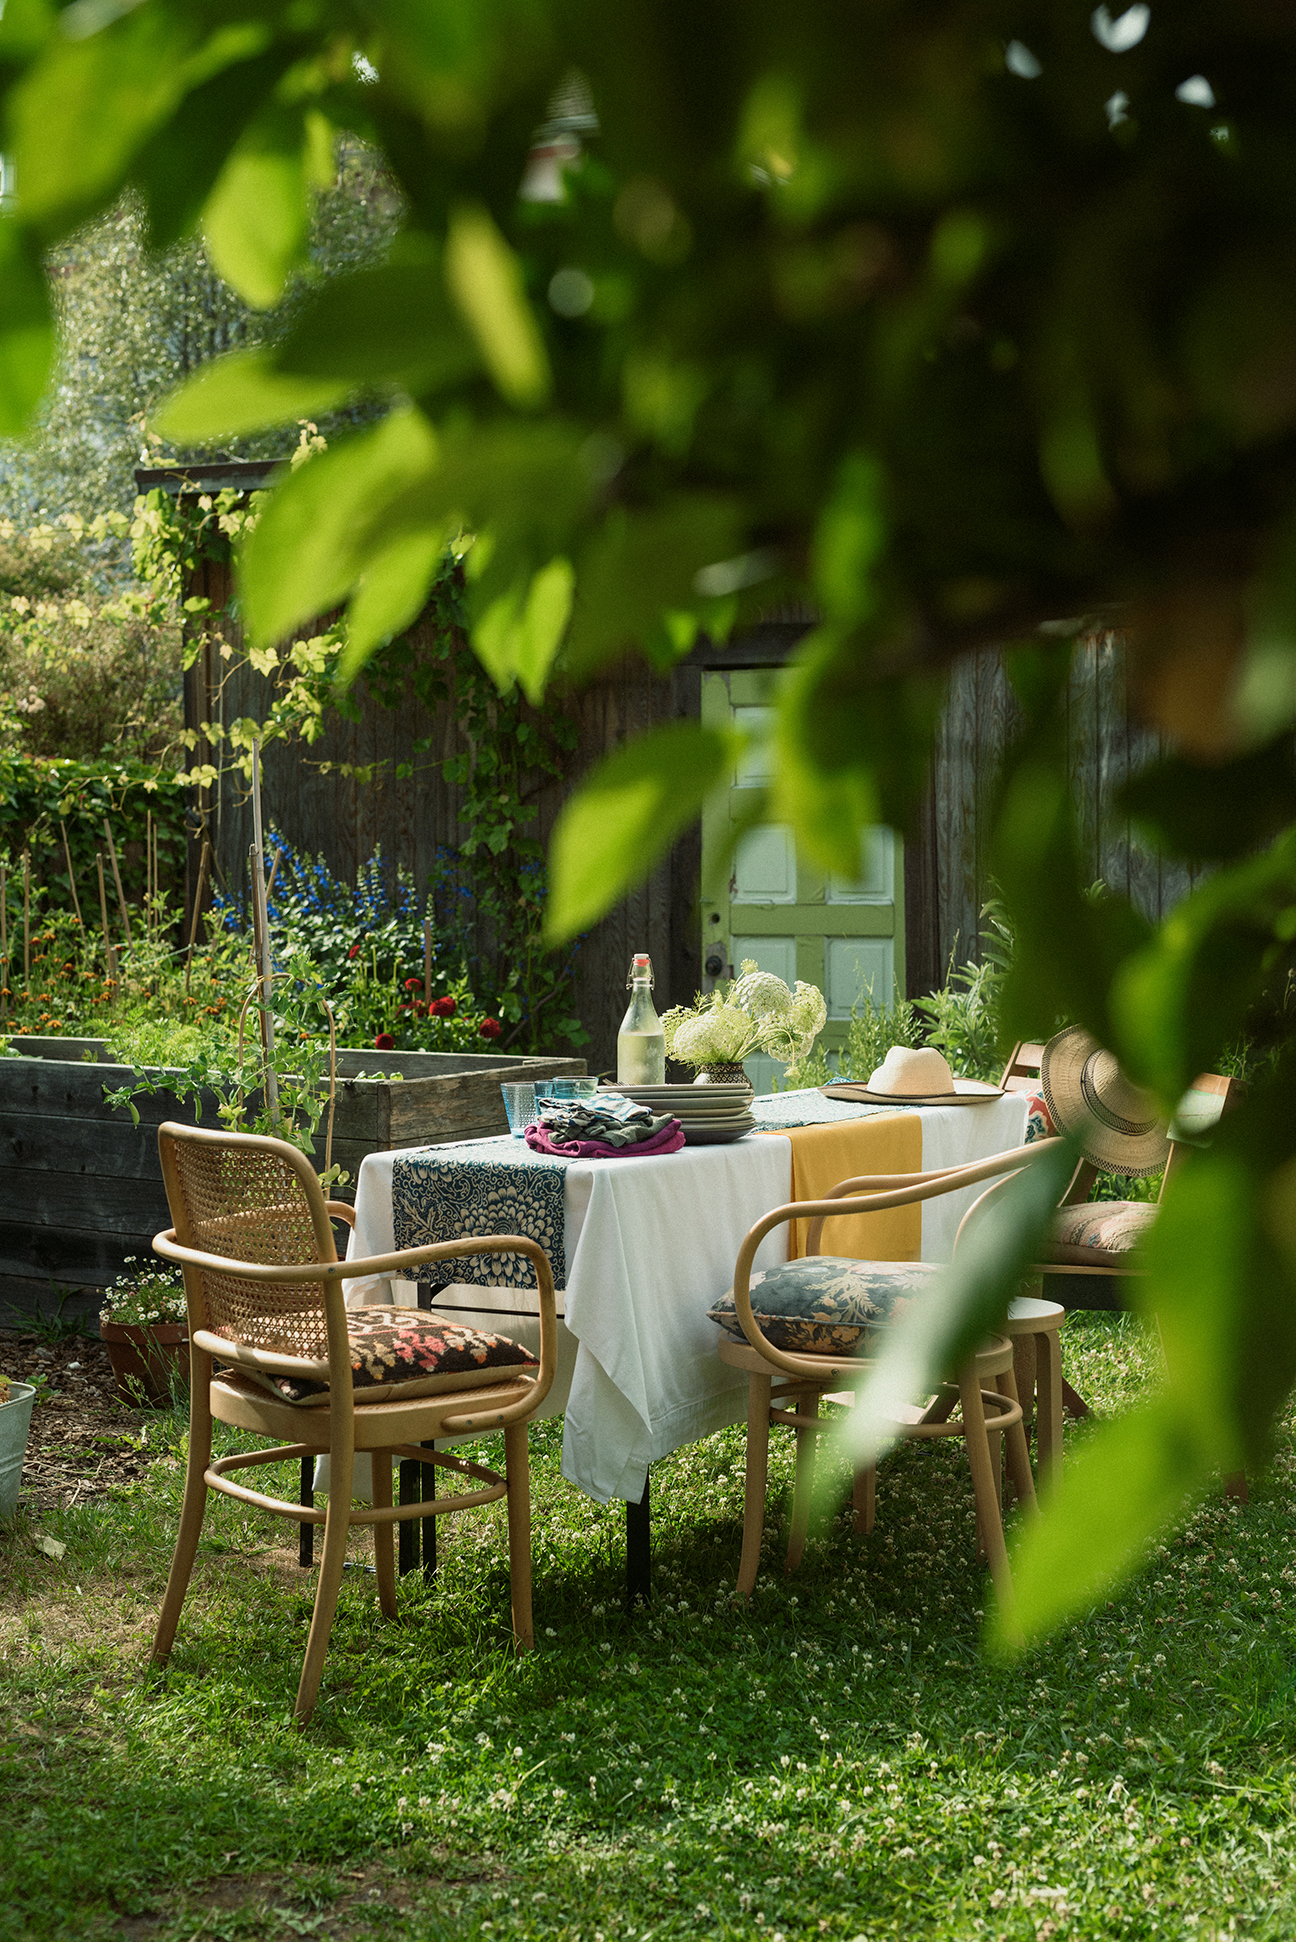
{"points": [[823, 1155]]}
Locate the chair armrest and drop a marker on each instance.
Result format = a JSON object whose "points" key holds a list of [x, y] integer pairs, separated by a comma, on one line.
{"points": [[330, 1275], [919, 1187], [341, 1210]]}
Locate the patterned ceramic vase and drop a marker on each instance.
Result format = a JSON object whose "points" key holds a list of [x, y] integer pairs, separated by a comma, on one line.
{"points": [[721, 1075]]}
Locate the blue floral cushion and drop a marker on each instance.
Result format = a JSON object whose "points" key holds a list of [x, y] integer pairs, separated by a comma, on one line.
{"points": [[823, 1304]]}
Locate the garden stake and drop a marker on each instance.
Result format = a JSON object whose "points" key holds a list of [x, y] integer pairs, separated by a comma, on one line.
{"points": [[103, 912], [150, 884], [265, 968], [4, 941], [197, 911], [76, 902], [427, 960], [27, 918], [121, 894]]}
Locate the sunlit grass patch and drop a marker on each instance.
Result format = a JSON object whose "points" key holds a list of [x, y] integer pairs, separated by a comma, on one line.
{"points": [[837, 1758]]}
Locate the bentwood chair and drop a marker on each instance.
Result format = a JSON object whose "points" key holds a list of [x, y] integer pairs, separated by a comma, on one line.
{"points": [[802, 1330], [265, 1290]]}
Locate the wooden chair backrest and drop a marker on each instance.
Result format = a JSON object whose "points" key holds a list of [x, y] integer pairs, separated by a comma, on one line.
{"points": [[1022, 1072], [244, 1198]]}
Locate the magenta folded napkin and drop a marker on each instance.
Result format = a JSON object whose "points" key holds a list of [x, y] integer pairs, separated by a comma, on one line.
{"points": [[669, 1140]]}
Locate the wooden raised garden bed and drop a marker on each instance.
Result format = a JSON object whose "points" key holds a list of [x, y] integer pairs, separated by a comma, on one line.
{"points": [[82, 1188]]}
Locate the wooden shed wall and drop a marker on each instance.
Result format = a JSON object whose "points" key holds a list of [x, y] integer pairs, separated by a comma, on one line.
{"points": [[950, 865]]}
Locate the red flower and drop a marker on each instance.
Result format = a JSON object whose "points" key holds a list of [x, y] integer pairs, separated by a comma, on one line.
{"points": [[354, 952], [384, 1042], [443, 1008], [413, 984], [489, 1028]]}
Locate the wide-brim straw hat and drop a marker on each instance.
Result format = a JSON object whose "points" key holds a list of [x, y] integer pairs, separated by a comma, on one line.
{"points": [[915, 1076], [1116, 1122]]}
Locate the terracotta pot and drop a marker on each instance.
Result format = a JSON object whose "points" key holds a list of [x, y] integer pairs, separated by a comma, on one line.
{"points": [[146, 1361]]}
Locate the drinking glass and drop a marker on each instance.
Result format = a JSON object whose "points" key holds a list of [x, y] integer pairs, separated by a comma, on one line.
{"points": [[582, 1087], [520, 1105]]}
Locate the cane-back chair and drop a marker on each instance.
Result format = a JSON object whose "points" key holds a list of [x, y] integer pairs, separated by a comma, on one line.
{"points": [[265, 1289], [807, 1334], [1091, 1260]]}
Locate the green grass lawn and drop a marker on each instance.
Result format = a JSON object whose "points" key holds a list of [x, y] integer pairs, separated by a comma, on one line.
{"points": [[836, 1760]]}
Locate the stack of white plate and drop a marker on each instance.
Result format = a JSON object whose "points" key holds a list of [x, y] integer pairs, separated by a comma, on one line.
{"points": [[709, 1115]]}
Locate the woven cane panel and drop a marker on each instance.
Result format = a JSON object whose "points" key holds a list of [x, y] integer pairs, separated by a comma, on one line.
{"points": [[251, 1206]]}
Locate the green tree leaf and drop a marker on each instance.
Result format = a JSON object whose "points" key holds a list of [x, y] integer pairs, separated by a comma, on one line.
{"points": [[390, 325], [178, 166], [257, 217], [26, 331], [626, 815], [241, 393], [314, 538], [391, 593], [485, 281], [519, 634], [1184, 995], [640, 565], [1132, 1477]]}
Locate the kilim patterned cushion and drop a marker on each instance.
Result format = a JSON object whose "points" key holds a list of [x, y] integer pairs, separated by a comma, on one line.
{"points": [[1039, 1120], [823, 1304], [1100, 1232], [402, 1352]]}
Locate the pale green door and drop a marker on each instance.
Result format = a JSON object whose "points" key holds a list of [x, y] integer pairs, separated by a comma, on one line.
{"points": [[847, 937]]}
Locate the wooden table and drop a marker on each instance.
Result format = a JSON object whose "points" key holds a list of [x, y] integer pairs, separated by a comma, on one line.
{"points": [[650, 1245]]}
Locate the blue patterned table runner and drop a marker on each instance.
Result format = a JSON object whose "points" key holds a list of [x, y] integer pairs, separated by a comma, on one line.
{"points": [[500, 1187]]}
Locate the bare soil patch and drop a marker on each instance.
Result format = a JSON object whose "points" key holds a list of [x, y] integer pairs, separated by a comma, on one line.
{"points": [[317, 1902], [83, 1442]]}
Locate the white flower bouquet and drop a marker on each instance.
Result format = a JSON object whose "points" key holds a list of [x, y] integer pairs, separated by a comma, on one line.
{"points": [[758, 1013]]}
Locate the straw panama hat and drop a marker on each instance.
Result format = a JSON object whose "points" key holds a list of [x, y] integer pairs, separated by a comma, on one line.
{"points": [[1087, 1094], [916, 1076]]}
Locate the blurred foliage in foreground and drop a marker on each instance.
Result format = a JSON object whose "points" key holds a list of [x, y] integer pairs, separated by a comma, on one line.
{"points": [[964, 327]]}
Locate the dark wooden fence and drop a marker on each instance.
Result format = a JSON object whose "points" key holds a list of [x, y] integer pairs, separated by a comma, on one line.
{"points": [[947, 877]]}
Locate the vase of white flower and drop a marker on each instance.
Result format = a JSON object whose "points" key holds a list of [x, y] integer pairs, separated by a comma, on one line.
{"points": [[758, 1013], [144, 1326]]}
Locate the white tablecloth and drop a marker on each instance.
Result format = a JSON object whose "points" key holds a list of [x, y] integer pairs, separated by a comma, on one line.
{"points": [[651, 1244]]}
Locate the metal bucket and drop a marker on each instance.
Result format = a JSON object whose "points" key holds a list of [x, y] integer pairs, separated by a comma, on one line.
{"points": [[15, 1421]]}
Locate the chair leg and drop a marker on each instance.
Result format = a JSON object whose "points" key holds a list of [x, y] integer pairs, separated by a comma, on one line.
{"points": [[1018, 1454], [517, 1468], [803, 1485], [1074, 1403], [337, 1526], [864, 1499], [758, 1429], [977, 1443], [383, 1534], [192, 1508], [1024, 1358], [1048, 1405]]}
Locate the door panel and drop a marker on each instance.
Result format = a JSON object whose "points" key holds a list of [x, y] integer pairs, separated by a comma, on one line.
{"points": [[762, 900], [765, 867]]}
